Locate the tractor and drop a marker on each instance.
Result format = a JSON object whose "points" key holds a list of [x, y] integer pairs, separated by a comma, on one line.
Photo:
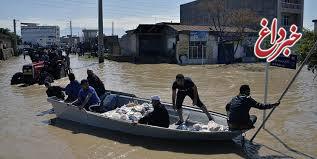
{"points": [[42, 71]]}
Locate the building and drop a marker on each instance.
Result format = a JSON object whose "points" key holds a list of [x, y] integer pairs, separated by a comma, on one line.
{"points": [[128, 44], [90, 35], [287, 12], [66, 40], [184, 44], [112, 46], [6, 46], [40, 35], [315, 25]]}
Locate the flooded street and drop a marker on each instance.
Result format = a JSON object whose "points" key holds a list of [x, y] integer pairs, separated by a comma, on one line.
{"points": [[24, 113]]}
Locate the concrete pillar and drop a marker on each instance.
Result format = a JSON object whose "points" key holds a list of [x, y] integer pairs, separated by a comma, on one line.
{"points": [[182, 48]]}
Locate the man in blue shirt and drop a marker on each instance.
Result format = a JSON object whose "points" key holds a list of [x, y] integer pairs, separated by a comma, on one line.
{"points": [[72, 89], [87, 96]]}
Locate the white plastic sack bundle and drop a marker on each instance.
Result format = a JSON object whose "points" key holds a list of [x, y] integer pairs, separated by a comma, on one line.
{"points": [[123, 110], [130, 111], [115, 116], [138, 108], [135, 116], [138, 115], [147, 106], [124, 117], [197, 127], [212, 126]]}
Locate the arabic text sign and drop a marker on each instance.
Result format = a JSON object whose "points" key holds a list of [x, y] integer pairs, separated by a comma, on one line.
{"points": [[199, 36], [285, 62], [278, 41]]}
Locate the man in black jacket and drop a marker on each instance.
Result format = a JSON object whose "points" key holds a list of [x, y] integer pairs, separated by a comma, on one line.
{"points": [[182, 87], [159, 117], [95, 82], [54, 91], [238, 110]]}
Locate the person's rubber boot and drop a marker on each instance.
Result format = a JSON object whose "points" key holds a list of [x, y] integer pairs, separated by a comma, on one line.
{"points": [[179, 122]]}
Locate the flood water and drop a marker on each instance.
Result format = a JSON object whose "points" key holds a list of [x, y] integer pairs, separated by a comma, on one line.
{"points": [[25, 131]]}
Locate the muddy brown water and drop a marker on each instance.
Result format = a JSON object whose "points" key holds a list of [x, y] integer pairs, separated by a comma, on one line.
{"points": [[25, 131]]}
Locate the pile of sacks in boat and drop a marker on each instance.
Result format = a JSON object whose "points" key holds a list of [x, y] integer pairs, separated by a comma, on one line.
{"points": [[210, 127], [130, 112]]}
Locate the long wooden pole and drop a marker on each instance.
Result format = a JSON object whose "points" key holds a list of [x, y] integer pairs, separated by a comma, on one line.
{"points": [[287, 88]]}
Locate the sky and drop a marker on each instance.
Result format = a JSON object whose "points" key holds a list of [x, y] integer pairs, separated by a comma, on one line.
{"points": [[126, 14]]}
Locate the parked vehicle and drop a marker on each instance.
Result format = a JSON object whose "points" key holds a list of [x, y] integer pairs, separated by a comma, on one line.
{"points": [[39, 71]]}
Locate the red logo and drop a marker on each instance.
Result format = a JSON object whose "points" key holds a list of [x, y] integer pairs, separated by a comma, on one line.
{"points": [[279, 45]]}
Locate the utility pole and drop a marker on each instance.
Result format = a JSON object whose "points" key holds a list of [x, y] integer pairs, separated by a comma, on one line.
{"points": [[71, 34], [100, 32], [267, 67], [15, 36], [15, 26]]}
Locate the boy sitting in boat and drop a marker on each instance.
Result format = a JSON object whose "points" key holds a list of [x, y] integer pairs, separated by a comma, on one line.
{"points": [[87, 96], [159, 117], [238, 110]]}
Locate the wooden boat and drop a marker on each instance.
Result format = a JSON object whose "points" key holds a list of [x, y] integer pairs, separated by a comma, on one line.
{"points": [[72, 113]]}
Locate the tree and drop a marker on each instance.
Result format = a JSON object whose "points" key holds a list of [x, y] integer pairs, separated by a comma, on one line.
{"points": [[6, 31], [231, 25], [304, 46], [242, 19]]}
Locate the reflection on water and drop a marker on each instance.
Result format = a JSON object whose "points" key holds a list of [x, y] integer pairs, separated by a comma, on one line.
{"points": [[24, 113]]}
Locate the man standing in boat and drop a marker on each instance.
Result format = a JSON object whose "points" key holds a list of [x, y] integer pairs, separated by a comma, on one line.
{"points": [[186, 87], [238, 110]]}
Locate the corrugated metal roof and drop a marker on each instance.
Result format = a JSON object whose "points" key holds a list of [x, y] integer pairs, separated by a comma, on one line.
{"points": [[204, 28]]}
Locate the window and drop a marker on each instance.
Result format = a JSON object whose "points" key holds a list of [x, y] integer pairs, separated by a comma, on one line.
{"points": [[285, 21], [197, 50]]}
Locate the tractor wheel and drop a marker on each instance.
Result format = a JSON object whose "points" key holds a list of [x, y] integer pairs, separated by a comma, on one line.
{"points": [[17, 78]]}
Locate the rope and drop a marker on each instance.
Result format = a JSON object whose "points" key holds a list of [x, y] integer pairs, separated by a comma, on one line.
{"points": [[287, 88]]}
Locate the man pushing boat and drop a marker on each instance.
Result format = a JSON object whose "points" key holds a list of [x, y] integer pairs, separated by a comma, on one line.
{"points": [[186, 87], [238, 109]]}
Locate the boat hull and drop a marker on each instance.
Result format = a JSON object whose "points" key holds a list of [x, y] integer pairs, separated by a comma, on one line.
{"points": [[72, 113]]}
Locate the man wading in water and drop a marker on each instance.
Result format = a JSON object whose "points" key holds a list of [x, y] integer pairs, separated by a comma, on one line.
{"points": [[186, 87]]}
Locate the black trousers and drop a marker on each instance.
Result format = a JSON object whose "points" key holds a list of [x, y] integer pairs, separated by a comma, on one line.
{"points": [[249, 125], [181, 96]]}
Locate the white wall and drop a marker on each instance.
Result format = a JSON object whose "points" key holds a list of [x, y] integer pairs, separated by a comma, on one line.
{"points": [[34, 34], [128, 45]]}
